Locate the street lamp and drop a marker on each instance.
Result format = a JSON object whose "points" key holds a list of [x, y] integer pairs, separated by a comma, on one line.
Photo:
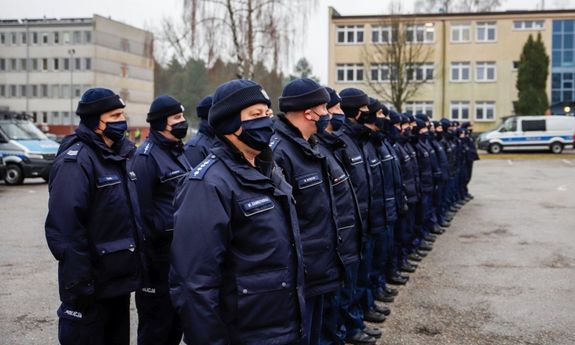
{"points": [[567, 110], [71, 52]]}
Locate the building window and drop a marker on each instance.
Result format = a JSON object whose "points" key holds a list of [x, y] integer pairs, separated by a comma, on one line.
{"points": [[34, 38], [23, 91], [66, 37], [23, 64], [23, 37], [349, 72], [56, 37], [65, 91], [13, 91], [44, 64], [13, 65], [88, 64], [485, 111], [14, 38], [77, 91], [460, 71], [87, 37], [77, 38], [66, 64], [528, 25], [2, 90], [459, 110], [77, 64], [419, 107], [346, 34], [486, 32], [563, 61], [420, 33], [56, 64], [2, 38], [34, 64], [2, 65], [460, 33], [485, 71], [420, 72], [44, 38], [34, 90], [379, 72], [383, 34]]}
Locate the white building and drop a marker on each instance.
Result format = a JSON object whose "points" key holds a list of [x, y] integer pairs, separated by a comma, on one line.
{"points": [[46, 64]]}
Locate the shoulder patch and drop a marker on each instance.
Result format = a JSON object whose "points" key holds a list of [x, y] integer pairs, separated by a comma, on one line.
{"points": [[145, 149], [71, 155], [201, 169], [274, 142]]}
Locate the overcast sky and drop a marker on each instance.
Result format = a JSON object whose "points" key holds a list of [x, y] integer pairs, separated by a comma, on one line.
{"points": [[147, 14]]}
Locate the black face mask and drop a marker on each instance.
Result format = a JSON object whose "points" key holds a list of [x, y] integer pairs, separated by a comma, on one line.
{"points": [[257, 133], [364, 117], [380, 123], [115, 130], [180, 129]]}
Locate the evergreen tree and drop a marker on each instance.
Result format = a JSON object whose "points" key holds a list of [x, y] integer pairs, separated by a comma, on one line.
{"points": [[532, 79]]}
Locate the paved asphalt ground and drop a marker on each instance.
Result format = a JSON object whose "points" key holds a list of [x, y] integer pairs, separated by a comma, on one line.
{"points": [[503, 273]]}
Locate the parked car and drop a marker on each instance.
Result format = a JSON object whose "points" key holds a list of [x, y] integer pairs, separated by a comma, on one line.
{"points": [[25, 150], [553, 133]]}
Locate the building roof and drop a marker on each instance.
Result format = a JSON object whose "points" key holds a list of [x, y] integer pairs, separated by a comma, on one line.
{"points": [[336, 15]]}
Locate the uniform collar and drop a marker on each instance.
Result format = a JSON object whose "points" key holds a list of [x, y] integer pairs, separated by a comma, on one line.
{"points": [[175, 146], [118, 152], [285, 127]]}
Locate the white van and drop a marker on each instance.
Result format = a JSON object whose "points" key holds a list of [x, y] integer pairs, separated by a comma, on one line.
{"points": [[553, 133]]}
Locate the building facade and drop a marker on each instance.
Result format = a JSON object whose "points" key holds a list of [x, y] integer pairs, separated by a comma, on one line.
{"points": [[46, 65], [470, 59]]}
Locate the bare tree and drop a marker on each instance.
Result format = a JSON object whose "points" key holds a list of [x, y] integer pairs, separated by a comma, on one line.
{"points": [[396, 61], [448, 6], [242, 31]]}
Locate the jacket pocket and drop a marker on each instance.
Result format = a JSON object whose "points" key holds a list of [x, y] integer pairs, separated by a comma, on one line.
{"points": [[265, 300], [117, 259]]}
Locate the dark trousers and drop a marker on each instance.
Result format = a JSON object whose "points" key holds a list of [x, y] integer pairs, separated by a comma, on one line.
{"points": [[158, 322], [332, 327], [313, 319], [364, 275], [382, 258], [107, 322], [350, 308]]}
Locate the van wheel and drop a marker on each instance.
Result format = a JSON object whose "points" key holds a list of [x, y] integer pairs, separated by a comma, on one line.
{"points": [[495, 148], [14, 175], [556, 148]]}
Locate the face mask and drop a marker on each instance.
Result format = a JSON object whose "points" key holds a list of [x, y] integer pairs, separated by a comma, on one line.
{"points": [[322, 123], [406, 132], [257, 133], [180, 129], [115, 130], [337, 120], [380, 123]]}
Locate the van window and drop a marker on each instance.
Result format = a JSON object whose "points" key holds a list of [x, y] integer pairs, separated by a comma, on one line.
{"points": [[533, 125], [510, 125], [21, 130]]}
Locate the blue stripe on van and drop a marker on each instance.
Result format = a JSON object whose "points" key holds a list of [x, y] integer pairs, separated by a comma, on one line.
{"points": [[544, 138]]}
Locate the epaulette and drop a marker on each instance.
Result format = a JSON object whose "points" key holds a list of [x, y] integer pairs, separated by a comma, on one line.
{"points": [[71, 155], [274, 142], [145, 149], [201, 169]]}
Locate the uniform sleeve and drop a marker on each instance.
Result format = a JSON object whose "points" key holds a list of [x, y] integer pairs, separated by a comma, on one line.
{"points": [[65, 226], [201, 240], [146, 177]]}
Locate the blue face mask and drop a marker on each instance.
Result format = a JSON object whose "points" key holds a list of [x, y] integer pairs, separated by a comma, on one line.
{"points": [[380, 123], [115, 130], [322, 123], [257, 133], [337, 120]]}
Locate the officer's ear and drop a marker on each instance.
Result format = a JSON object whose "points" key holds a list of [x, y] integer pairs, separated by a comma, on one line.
{"points": [[307, 114]]}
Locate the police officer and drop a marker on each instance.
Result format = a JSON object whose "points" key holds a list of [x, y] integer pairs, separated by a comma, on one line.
{"points": [[236, 261], [349, 227], [159, 165], [294, 149], [352, 156], [434, 139], [472, 156], [92, 227], [354, 103], [199, 146]]}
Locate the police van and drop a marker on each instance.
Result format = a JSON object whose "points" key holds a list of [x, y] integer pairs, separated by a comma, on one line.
{"points": [[25, 150], [553, 133]]}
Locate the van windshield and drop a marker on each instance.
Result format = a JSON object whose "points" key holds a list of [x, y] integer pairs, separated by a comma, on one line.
{"points": [[22, 130], [510, 125]]}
